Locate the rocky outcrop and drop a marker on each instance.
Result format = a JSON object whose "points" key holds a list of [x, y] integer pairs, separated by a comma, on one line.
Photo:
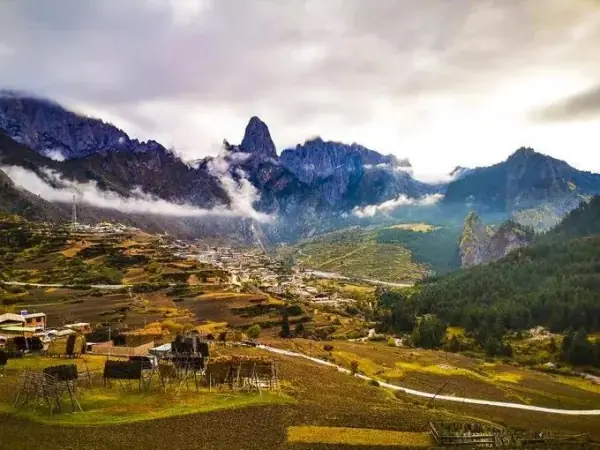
{"points": [[481, 244]]}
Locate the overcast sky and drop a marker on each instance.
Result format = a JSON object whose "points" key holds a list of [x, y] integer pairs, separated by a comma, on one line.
{"points": [[442, 82]]}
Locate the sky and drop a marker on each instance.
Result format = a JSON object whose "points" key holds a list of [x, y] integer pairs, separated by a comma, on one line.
{"points": [[444, 83]]}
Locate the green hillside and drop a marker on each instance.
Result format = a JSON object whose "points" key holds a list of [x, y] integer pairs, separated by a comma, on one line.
{"points": [[398, 253]]}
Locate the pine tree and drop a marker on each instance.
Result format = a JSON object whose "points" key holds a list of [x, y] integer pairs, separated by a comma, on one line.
{"points": [[285, 326]]}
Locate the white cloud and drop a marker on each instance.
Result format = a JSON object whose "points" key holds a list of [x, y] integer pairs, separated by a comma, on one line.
{"points": [[433, 178], [390, 205], [54, 154], [241, 192], [389, 167]]}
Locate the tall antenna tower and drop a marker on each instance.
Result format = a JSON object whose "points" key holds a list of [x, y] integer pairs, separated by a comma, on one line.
{"points": [[74, 213]]}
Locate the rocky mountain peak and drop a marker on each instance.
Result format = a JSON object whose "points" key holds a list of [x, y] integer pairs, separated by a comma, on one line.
{"points": [[459, 171], [257, 139], [523, 152]]}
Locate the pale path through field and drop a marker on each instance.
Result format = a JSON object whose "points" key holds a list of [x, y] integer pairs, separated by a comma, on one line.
{"points": [[337, 276], [474, 401]]}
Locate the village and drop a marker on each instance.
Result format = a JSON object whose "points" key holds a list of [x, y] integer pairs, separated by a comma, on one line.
{"points": [[257, 268]]}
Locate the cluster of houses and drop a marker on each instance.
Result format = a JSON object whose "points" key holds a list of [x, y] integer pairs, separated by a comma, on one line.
{"points": [[27, 325], [103, 228], [257, 266]]}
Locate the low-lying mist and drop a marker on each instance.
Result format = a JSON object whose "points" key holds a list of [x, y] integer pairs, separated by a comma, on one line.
{"points": [[390, 205], [241, 192]]}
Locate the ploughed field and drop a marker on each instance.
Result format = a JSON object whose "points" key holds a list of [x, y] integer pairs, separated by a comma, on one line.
{"points": [[311, 396]]}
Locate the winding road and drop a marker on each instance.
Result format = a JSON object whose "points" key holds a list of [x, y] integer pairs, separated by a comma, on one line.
{"points": [[337, 276], [473, 401], [42, 285]]}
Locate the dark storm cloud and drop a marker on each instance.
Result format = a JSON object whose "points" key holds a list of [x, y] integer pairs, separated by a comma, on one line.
{"points": [[192, 71], [584, 105]]}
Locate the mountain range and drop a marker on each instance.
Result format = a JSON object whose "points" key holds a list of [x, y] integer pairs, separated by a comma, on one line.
{"points": [[313, 187]]}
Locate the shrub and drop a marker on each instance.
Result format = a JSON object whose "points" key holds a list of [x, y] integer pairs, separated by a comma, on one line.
{"points": [[374, 383], [148, 287], [238, 336], [429, 332], [391, 342], [328, 348], [15, 289], [354, 367], [254, 331], [299, 329], [154, 268], [294, 310], [285, 326]]}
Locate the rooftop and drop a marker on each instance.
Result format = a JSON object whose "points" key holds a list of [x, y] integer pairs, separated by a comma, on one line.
{"points": [[10, 317], [34, 315], [18, 329]]}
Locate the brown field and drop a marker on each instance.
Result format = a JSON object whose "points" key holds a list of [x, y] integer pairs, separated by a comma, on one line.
{"points": [[322, 397], [216, 306]]}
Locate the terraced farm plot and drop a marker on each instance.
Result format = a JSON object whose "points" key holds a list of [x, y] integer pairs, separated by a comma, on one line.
{"points": [[354, 253], [217, 306], [397, 253]]}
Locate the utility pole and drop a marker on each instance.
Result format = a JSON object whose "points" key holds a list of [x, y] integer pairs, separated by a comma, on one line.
{"points": [[74, 212], [436, 394]]}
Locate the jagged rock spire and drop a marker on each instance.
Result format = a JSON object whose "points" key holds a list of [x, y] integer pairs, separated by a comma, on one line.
{"points": [[257, 139]]}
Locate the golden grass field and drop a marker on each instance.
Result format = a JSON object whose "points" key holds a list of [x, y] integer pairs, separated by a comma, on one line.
{"points": [[357, 436]]}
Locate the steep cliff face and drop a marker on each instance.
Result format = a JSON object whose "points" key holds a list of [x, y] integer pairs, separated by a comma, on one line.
{"points": [[317, 159], [349, 175], [481, 244], [474, 239], [60, 134]]}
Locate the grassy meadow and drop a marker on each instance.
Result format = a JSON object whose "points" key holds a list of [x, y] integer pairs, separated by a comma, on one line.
{"points": [[398, 253]]}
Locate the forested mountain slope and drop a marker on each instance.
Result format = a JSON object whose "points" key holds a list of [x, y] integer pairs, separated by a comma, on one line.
{"points": [[555, 283], [582, 221]]}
